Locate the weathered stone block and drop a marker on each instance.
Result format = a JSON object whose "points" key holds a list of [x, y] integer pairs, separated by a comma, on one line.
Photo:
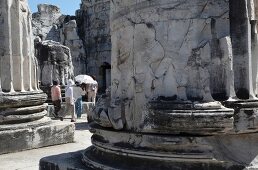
{"points": [[30, 136]]}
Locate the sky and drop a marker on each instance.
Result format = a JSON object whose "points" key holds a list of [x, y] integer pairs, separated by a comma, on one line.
{"points": [[68, 7]]}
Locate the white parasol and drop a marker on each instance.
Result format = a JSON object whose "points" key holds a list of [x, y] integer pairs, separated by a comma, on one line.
{"points": [[85, 79]]}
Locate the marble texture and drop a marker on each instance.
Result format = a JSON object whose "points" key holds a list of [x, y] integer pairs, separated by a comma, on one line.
{"points": [[55, 62], [70, 38], [50, 24], [23, 121], [47, 21], [183, 84], [166, 51]]}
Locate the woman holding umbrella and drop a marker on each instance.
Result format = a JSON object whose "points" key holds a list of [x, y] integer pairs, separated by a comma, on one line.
{"points": [[92, 86]]}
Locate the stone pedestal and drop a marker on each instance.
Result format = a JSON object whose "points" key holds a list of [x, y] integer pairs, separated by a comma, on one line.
{"points": [[245, 117], [23, 122], [126, 150], [36, 134]]}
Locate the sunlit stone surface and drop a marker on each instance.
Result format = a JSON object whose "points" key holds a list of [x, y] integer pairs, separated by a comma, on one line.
{"points": [[55, 62], [48, 23], [23, 124], [183, 87]]}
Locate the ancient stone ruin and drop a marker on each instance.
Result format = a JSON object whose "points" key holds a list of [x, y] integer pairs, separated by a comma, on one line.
{"points": [[47, 21], [183, 87], [49, 24], [23, 121], [55, 62], [87, 35], [70, 38], [94, 30]]}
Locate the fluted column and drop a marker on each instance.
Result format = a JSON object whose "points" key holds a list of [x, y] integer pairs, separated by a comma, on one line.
{"points": [[241, 14], [17, 44], [6, 47], [23, 112], [18, 72], [17, 48]]}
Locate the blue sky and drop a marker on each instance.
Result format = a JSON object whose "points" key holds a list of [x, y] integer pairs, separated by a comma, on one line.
{"points": [[67, 7]]}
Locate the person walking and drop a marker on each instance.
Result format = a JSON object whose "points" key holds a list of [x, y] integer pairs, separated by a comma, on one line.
{"points": [[69, 100], [56, 97], [78, 92]]}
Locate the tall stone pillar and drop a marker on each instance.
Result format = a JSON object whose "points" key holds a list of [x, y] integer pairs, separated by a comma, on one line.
{"points": [[23, 121], [243, 32], [93, 27], [241, 16], [173, 65]]}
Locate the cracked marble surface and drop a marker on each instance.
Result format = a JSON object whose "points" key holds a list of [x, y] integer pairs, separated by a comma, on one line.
{"points": [[168, 49]]}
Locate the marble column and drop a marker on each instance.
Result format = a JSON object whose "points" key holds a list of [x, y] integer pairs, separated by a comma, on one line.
{"points": [[17, 59], [175, 66], [241, 13], [169, 59], [23, 121], [243, 32]]}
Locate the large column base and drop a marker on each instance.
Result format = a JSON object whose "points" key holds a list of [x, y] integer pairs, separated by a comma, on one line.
{"points": [[172, 117], [122, 161], [36, 134], [127, 150], [245, 116]]}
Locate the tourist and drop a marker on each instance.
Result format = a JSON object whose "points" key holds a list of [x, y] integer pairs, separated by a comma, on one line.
{"points": [[56, 97], [69, 100], [92, 91], [78, 92]]}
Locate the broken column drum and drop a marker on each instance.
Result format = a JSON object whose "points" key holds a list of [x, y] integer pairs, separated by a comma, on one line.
{"points": [[23, 124], [173, 66], [55, 62]]}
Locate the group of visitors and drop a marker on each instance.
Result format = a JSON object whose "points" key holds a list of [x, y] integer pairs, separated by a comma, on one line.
{"points": [[73, 98]]}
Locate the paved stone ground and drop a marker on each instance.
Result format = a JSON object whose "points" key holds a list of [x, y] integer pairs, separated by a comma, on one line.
{"points": [[29, 160]]}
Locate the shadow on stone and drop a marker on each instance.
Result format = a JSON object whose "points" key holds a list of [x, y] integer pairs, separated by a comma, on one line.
{"points": [[82, 126], [71, 160]]}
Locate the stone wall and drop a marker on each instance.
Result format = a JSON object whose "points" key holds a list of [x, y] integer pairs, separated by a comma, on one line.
{"points": [[93, 23]]}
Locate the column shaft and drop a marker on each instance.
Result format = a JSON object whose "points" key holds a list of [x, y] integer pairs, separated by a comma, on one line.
{"points": [[240, 30]]}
